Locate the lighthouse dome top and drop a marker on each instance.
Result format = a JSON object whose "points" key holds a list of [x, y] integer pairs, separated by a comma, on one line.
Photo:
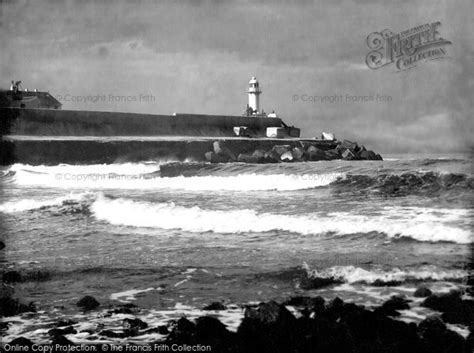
{"points": [[253, 80]]}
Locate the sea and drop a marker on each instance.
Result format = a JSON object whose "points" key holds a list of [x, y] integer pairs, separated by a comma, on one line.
{"points": [[173, 237]]}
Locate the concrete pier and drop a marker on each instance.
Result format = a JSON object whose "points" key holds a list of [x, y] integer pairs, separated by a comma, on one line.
{"points": [[49, 137]]}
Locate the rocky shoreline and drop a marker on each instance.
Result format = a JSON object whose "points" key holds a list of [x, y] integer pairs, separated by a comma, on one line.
{"points": [[307, 151], [299, 324]]}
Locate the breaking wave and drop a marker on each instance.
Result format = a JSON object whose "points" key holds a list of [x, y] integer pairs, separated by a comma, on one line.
{"points": [[147, 177], [422, 224], [352, 274]]}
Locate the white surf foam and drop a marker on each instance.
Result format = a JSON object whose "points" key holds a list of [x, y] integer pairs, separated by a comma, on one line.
{"points": [[352, 274], [424, 225], [138, 176], [33, 204]]}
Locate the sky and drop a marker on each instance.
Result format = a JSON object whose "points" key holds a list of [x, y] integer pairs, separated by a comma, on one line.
{"points": [[197, 56]]}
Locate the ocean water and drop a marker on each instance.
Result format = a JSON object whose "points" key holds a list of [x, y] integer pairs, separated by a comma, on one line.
{"points": [[174, 237]]}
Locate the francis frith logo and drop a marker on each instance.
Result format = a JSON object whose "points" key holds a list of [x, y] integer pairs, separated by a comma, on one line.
{"points": [[407, 48]]}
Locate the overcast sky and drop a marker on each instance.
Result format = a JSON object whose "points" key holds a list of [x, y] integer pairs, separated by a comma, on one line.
{"points": [[197, 57]]}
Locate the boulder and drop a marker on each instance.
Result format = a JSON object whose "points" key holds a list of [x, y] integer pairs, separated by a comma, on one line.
{"points": [[259, 156], [246, 158], [181, 330], [2, 245], [316, 154], [221, 150], [215, 306], [360, 149], [349, 145], [298, 153], [331, 155], [281, 149], [422, 292], [61, 341], [368, 155], [391, 306], [215, 158], [378, 157], [433, 323], [287, 157], [134, 324], [21, 341], [88, 303], [10, 307], [208, 327], [328, 136], [437, 338], [348, 155], [269, 314]]}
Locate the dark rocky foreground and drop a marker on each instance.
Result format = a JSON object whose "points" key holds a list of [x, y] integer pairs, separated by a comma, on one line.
{"points": [[319, 326]]}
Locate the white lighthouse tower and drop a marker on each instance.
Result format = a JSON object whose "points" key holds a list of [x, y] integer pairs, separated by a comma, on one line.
{"points": [[254, 95]]}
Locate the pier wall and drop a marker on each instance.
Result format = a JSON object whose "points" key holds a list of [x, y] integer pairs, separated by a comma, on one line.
{"points": [[48, 122], [49, 137]]}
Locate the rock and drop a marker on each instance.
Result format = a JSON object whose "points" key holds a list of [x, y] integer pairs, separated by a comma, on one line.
{"points": [[309, 302], [4, 325], [21, 341], [221, 150], [349, 145], [88, 303], [378, 157], [215, 306], [422, 292], [215, 158], [134, 324], [316, 154], [61, 332], [348, 155], [11, 277], [331, 155], [181, 330], [2, 245], [433, 323], [245, 158], [269, 313], [298, 153], [281, 149], [10, 307], [437, 338], [360, 149], [286, 157], [209, 327], [455, 309], [318, 282], [381, 283], [328, 136], [61, 341], [163, 330], [259, 156], [391, 306]]}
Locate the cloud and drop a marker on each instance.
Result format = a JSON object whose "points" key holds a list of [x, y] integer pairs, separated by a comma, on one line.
{"points": [[197, 56]]}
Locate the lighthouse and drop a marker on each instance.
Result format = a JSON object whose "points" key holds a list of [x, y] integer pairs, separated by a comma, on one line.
{"points": [[254, 95]]}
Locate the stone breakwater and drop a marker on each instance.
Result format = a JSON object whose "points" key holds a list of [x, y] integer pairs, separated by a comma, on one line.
{"points": [[307, 151]]}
